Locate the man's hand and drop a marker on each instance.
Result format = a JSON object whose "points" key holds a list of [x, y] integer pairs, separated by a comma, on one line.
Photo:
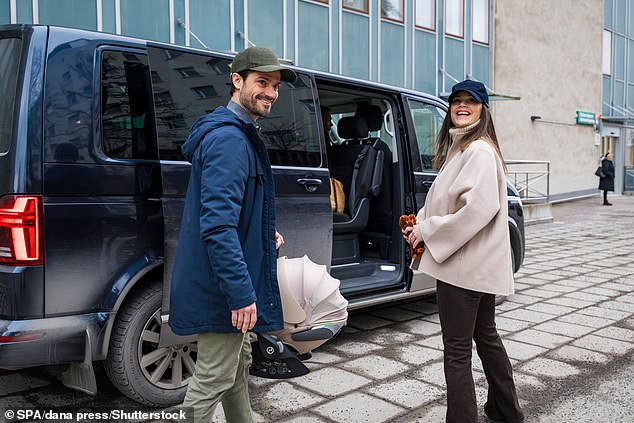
{"points": [[279, 240], [244, 319]]}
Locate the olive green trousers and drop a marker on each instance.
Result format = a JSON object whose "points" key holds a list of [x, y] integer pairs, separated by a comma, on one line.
{"points": [[221, 375]]}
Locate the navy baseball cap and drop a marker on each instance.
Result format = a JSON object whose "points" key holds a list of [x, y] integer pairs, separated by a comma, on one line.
{"points": [[475, 88]]}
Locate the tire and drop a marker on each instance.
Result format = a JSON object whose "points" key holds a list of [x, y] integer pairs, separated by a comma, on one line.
{"points": [[135, 365]]}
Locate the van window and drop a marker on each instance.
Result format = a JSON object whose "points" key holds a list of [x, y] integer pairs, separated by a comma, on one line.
{"points": [[9, 62], [128, 130], [427, 121], [187, 86]]}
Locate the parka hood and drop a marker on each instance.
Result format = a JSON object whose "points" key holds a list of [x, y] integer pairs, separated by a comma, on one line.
{"points": [[219, 117]]}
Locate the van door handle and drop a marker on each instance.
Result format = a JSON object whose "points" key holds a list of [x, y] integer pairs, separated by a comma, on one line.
{"points": [[310, 184]]}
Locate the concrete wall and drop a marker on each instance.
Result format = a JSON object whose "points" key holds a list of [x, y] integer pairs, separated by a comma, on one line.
{"points": [[549, 53]]}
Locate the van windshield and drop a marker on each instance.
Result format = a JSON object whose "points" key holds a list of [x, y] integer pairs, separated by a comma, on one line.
{"points": [[9, 61]]}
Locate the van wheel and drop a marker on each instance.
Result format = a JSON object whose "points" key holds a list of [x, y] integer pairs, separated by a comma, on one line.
{"points": [[136, 365]]}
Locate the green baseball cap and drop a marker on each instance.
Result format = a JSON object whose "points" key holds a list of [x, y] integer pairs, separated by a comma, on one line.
{"points": [[260, 59]]}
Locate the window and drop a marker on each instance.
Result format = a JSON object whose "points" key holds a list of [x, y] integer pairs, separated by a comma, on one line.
{"points": [[426, 14], [392, 9], [358, 5], [454, 17], [10, 54], [289, 132], [607, 52], [481, 21], [427, 121], [128, 132], [188, 72]]}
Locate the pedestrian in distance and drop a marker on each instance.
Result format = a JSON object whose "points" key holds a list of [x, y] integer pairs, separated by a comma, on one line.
{"points": [[224, 279], [606, 183], [464, 228]]}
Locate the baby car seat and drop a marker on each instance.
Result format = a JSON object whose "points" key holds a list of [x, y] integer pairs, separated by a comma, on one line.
{"points": [[314, 312]]}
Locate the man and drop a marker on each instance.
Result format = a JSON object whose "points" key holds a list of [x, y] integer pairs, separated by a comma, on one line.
{"points": [[224, 281]]}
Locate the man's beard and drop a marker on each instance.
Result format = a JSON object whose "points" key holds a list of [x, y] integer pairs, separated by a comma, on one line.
{"points": [[251, 105]]}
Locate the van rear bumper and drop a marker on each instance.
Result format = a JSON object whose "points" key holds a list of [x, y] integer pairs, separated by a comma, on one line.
{"points": [[55, 340]]}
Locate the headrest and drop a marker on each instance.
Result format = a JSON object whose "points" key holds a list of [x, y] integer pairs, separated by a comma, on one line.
{"points": [[371, 114], [352, 127]]}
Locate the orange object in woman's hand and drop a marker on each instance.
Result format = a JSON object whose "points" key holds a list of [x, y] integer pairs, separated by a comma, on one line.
{"points": [[410, 220]]}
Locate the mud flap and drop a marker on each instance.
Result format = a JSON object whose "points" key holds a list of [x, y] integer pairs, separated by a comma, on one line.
{"points": [[274, 360], [81, 376]]}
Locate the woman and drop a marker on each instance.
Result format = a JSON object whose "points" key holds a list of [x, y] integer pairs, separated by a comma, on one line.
{"points": [[606, 183], [464, 229]]}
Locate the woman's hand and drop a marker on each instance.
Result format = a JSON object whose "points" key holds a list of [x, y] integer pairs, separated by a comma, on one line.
{"points": [[412, 235]]}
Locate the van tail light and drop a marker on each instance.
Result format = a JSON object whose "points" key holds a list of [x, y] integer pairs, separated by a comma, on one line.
{"points": [[21, 230]]}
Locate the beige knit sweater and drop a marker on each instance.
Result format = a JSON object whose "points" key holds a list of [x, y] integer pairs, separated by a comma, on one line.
{"points": [[464, 221]]}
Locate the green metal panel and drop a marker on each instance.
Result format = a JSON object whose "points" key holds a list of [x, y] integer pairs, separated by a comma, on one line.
{"points": [[290, 30], [621, 16], [619, 57], [480, 65], [454, 61], [313, 36], [266, 24], [619, 94], [5, 12], [392, 53], [630, 26], [355, 46], [210, 24], [73, 13], [608, 7], [24, 11], [425, 64], [146, 19], [108, 17]]}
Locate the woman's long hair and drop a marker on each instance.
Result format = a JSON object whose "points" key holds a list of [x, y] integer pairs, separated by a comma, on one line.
{"points": [[484, 130]]}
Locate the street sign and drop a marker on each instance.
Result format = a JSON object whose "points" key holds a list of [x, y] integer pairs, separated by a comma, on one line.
{"points": [[586, 118]]}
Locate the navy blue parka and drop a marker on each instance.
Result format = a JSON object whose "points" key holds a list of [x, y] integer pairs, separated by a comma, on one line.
{"points": [[225, 258]]}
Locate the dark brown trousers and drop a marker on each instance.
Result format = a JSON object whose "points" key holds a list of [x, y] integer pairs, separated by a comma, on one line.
{"points": [[466, 316]]}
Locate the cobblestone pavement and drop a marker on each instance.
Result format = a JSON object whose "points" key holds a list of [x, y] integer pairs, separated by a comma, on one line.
{"points": [[571, 322]]}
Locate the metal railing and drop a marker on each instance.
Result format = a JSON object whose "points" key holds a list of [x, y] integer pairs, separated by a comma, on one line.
{"points": [[531, 178], [629, 179]]}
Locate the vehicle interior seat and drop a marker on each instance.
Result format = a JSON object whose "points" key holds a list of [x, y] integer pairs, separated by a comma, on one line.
{"points": [[381, 221]]}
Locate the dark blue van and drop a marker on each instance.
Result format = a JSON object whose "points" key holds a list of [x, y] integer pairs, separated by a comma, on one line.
{"points": [[92, 183]]}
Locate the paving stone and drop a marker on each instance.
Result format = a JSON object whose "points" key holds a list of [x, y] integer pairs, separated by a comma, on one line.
{"points": [[546, 275], [304, 418], [367, 322], [409, 393], [617, 305], [557, 310], [602, 291], [604, 345], [375, 366], [614, 332], [576, 354], [432, 342], [389, 337], [550, 368], [506, 306], [604, 312], [420, 327], [586, 320], [541, 293], [557, 287], [434, 318], [356, 348], [523, 380], [418, 355], [324, 358], [579, 295], [432, 373], [575, 284], [511, 325], [359, 408], [331, 381], [397, 314], [589, 278], [522, 299], [293, 399], [528, 315], [563, 328], [541, 339], [424, 307], [570, 302], [617, 286], [626, 298], [522, 351], [431, 414]]}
